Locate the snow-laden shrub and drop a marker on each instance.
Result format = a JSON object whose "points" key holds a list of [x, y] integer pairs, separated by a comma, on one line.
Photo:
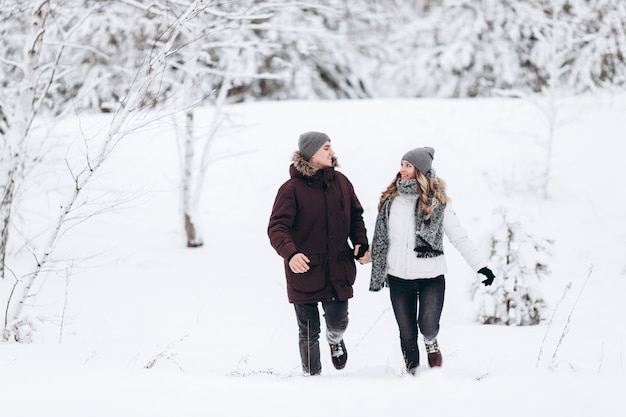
{"points": [[520, 261]]}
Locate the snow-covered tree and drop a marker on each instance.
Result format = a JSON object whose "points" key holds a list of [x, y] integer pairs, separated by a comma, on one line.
{"points": [[50, 64], [36, 68], [39, 76], [467, 48], [520, 261], [576, 47], [337, 49], [254, 48], [218, 56], [19, 113]]}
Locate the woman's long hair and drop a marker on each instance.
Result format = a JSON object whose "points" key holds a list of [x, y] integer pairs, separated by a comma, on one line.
{"points": [[428, 187]]}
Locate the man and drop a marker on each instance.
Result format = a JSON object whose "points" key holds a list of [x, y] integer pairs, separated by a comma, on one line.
{"points": [[315, 213]]}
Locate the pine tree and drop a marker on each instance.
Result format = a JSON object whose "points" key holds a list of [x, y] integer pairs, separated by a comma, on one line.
{"points": [[520, 261]]}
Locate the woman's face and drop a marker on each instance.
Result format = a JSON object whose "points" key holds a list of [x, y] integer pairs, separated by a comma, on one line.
{"points": [[323, 158], [407, 171]]}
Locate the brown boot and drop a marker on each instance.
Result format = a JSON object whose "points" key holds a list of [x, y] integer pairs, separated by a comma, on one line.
{"points": [[434, 354]]}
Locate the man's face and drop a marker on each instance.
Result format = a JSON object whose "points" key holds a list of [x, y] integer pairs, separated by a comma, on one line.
{"points": [[323, 158]]}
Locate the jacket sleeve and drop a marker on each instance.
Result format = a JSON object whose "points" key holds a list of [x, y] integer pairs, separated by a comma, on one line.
{"points": [[281, 223], [358, 232], [461, 241]]}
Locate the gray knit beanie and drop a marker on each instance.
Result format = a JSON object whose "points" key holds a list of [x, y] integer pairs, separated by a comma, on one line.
{"points": [[310, 142], [420, 158]]}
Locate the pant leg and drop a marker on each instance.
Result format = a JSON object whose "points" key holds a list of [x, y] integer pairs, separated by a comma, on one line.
{"points": [[404, 302], [431, 297], [308, 319], [336, 315]]}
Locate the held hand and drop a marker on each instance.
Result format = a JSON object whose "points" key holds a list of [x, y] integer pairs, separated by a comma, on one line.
{"points": [[299, 263], [490, 276], [365, 258], [361, 253], [359, 250]]}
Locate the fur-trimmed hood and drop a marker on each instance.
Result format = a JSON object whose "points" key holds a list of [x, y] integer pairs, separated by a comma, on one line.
{"points": [[304, 167]]}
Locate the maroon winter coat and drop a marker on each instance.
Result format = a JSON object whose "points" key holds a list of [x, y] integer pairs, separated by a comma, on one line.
{"points": [[315, 212]]}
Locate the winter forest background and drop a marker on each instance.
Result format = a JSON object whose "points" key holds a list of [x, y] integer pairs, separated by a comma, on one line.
{"points": [[90, 55], [85, 82]]}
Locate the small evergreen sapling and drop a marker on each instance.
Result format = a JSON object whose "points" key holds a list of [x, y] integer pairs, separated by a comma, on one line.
{"points": [[519, 261]]}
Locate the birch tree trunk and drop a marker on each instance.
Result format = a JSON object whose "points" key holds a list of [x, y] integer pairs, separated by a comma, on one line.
{"points": [[194, 175], [14, 153], [561, 42], [190, 210]]}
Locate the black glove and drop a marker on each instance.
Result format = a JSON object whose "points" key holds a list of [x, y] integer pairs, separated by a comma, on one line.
{"points": [[490, 276], [362, 249]]}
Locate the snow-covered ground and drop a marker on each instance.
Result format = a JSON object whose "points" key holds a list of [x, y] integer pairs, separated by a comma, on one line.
{"points": [[143, 326]]}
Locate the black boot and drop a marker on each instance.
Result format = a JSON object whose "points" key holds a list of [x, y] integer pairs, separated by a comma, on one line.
{"points": [[339, 354]]}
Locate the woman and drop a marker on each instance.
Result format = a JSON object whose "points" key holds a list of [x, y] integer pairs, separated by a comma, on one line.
{"points": [[407, 252]]}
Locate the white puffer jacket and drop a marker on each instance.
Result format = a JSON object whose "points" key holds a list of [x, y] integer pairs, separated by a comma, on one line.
{"points": [[401, 259]]}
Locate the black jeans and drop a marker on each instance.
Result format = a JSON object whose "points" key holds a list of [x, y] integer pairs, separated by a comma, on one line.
{"points": [[406, 297], [336, 316]]}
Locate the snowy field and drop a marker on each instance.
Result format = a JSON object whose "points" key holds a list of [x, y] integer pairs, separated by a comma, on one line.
{"points": [[143, 326]]}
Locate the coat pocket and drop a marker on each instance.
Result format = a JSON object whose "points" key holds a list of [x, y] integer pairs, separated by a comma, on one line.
{"points": [[349, 267], [311, 281]]}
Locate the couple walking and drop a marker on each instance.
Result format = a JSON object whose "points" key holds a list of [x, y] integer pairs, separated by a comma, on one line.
{"points": [[316, 212]]}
